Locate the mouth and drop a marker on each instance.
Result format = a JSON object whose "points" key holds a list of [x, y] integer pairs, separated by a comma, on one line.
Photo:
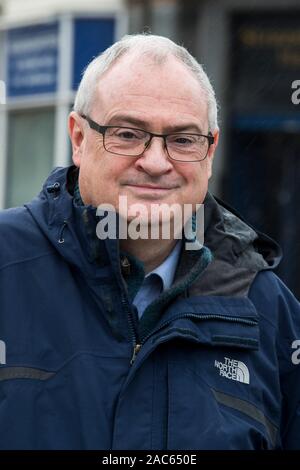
{"points": [[151, 187], [150, 190]]}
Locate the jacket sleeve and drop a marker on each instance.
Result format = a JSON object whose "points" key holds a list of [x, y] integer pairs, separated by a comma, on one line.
{"points": [[289, 363], [284, 309]]}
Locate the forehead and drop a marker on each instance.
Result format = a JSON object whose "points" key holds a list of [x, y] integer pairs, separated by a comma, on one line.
{"points": [[138, 84]]}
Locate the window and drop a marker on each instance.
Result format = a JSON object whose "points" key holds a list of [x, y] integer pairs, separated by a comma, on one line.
{"points": [[30, 153]]}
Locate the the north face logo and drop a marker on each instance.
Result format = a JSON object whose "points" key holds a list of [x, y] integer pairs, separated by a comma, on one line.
{"points": [[233, 370], [2, 352]]}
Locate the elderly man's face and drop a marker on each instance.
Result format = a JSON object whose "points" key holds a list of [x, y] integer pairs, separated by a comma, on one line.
{"points": [[157, 98]]}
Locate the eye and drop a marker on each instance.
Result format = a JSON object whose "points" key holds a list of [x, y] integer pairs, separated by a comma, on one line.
{"points": [[126, 134], [182, 139]]}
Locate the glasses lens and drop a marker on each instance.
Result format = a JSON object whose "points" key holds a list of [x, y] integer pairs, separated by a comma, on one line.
{"points": [[125, 141], [187, 147]]}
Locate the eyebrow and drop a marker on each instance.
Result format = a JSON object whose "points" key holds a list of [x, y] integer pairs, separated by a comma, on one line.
{"points": [[140, 123]]}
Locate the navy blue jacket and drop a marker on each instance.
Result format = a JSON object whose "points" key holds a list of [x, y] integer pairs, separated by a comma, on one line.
{"points": [[216, 366]]}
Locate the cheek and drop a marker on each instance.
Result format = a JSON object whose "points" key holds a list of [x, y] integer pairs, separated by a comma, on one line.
{"points": [[198, 182], [198, 174], [99, 178]]}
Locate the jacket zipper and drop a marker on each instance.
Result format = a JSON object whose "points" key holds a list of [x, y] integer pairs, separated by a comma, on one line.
{"points": [[203, 317], [136, 343], [135, 352]]}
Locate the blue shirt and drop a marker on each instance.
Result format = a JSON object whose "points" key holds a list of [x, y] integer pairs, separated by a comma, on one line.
{"points": [[158, 280]]}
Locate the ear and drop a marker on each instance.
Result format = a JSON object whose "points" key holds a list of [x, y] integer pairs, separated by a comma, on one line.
{"points": [[211, 152], [76, 132]]}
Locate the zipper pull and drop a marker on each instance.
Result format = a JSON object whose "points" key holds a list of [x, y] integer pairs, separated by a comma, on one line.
{"points": [[125, 266], [136, 349]]}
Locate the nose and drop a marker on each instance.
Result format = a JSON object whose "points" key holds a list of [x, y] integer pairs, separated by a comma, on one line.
{"points": [[155, 160]]}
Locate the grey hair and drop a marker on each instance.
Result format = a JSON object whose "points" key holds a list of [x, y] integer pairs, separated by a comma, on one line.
{"points": [[158, 48]]}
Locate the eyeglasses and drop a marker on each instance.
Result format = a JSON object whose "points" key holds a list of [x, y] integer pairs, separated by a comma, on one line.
{"points": [[131, 142]]}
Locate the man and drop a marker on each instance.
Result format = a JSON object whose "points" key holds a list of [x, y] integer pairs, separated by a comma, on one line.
{"points": [[127, 342]]}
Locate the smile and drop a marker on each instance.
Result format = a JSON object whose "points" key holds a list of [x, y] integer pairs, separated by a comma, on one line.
{"points": [[150, 188]]}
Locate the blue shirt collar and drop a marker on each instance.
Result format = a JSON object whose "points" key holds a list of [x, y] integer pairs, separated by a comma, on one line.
{"points": [[166, 270]]}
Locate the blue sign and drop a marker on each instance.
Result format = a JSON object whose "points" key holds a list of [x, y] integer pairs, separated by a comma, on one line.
{"points": [[32, 60], [91, 37]]}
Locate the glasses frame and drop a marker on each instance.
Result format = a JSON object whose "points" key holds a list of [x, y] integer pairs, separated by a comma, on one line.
{"points": [[102, 129]]}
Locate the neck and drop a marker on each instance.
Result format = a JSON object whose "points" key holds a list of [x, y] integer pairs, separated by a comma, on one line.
{"points": [[151, 252]]}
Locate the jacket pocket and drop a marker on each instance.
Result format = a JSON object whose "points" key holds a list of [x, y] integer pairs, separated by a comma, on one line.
{"points": [[8, 373], [71, 408], [201, 417], [248, 409]]}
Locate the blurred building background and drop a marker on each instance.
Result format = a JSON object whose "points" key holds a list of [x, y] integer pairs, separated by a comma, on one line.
{"points": [[250, 50]]}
